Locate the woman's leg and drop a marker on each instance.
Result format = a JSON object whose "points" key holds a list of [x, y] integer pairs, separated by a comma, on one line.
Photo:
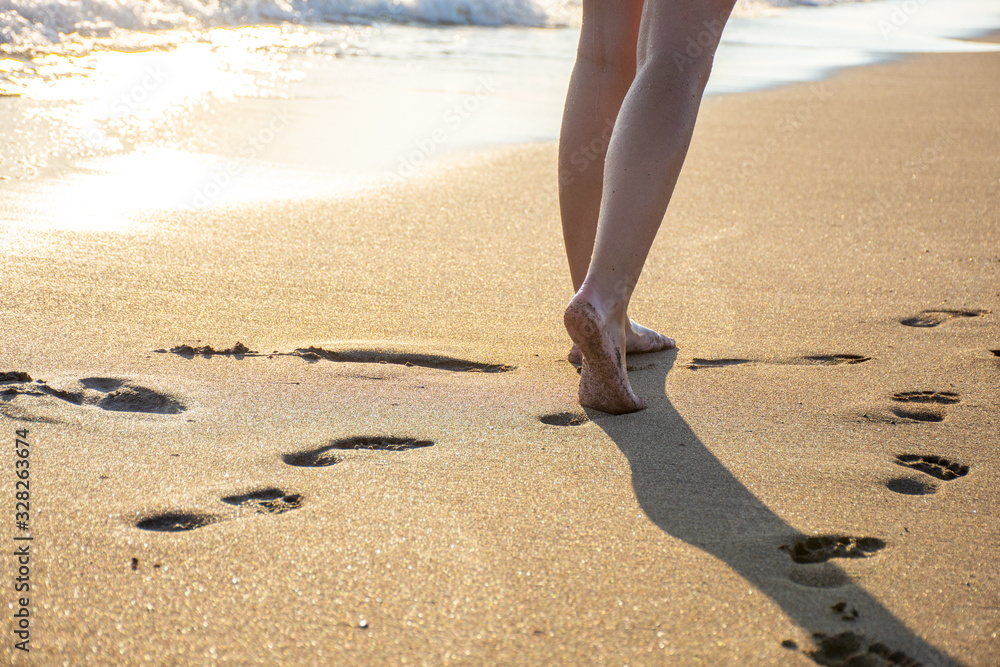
{"points": [[604, 70], [643, 161]]}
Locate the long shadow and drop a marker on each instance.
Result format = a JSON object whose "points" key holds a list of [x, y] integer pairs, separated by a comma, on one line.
{"points": [[690, 495]]}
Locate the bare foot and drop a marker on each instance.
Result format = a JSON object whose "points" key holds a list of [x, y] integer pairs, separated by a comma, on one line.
{"points": [[604, 382], [638, 339]]}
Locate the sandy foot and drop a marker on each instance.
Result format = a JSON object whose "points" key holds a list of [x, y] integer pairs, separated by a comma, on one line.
{"points": [[603, 382]]}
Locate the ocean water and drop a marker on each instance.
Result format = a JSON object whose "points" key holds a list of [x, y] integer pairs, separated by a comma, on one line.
{"points": [[113, 107]]}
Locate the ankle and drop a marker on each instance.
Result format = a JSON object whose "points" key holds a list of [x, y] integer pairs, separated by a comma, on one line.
{"points": [[609, 306]]}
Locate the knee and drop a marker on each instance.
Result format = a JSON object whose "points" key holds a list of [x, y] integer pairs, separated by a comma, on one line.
{"points": [[687, 64], [689, 49], [674, 71]]}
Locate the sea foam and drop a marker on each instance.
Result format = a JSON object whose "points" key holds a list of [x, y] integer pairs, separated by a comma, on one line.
{"points": [[37, 23]]}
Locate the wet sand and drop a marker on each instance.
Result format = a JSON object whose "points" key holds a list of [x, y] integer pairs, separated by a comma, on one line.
{"points": [[391, 468]]}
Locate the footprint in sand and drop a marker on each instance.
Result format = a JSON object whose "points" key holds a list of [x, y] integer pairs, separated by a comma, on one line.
{"points": [[812, 553], [851, 649], [313, 458], [903, 415], [918, 415], [929, 396], [821, 548], [935, 317], [847, 614], [266, 501], [818, 575], [190, 352], [327, 454], [565, 419], [270, 500], [911, 486], [9, 393], [355, 356], [935, 466], [835, 359], [362, 356], [938, 467], [911, 411], [698, 363], [809, 360], [114, 394], [175, 522]]}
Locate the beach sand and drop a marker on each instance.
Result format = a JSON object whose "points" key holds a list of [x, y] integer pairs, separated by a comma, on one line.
{"points": [[808, 224]]}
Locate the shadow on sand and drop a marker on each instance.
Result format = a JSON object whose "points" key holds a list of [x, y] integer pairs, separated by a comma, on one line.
{"points": [[690, 495]]}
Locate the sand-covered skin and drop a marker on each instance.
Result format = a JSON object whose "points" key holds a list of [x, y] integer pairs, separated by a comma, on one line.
{"points": [[299, 517]]}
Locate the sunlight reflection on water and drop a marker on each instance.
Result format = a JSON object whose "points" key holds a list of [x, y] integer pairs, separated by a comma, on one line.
{"points": [[102, 129]]}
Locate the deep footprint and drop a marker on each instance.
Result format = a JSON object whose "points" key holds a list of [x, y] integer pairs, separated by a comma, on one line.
{"points": [[313, 458], [102, 384], [836, 359], [140, 399], [190, 352], [326, 456], [911, 486], [821, 575], [402, 359], [266, 501], [935, 466], [811, 360], [929, 396], [846, 613], [821, 548], [698, 362], [850, 649], [564, 419], [17, 414], [175, 522], [381, 443], [112, 394], [933, 318], [919, 415]]}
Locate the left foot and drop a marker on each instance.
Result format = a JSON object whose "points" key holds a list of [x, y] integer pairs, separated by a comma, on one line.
{"points": [[604, 381], [638, 339]]}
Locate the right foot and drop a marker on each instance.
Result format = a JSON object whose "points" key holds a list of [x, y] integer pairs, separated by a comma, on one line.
{"points": [[604, 382]]}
